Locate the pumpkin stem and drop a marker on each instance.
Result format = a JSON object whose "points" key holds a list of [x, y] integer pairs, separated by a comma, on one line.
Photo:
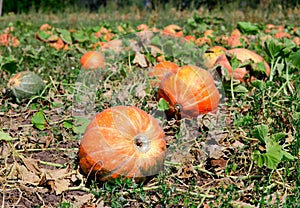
{"points": [[177, 109], [142, 143]]}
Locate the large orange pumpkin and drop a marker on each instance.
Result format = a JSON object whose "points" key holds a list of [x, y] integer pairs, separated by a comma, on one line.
{"points": [[190, 91], [243, 55], [92, 60], [122, 141]]}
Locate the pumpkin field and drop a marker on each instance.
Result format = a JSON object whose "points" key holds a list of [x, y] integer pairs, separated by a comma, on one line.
{"points": [[150, 108]]}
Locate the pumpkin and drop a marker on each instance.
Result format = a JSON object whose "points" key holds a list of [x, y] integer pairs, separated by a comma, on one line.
{"points": [[191, 91], [173, 30], [211, 55], [242, 55], [25, 84], [92, 60], [161, 69], [122, 141]]}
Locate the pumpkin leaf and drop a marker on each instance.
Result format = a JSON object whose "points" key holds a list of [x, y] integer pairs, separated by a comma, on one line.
{"points": [[295, 59], [261, 85], [247, 28], [288, 155], [38, 120], [8, 63], [6, 137], [80, 36], [44, 36], [240, 89], [80, 125], [65, 35], [260, 132], [68, 124], [163, 105]]}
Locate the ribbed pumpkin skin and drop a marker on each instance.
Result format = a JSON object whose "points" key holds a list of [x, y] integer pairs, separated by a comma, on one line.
{"points": [[25, 84], [192, 89], [108, 148]]}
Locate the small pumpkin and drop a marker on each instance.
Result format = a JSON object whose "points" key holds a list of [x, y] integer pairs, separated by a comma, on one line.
{"points": [[92, 60], [173, 30], [161, 69], [243, 55], [122, 141], [25, 84], [211, 55], [191, 91]]}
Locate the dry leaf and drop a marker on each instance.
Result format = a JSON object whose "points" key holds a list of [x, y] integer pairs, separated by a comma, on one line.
{"points": [[214, 151], [56, 180], [31, 165], [219, 163], [81, 201], [101, 205], [238, 144], [140, 59], [239, 204], [61, 185]]}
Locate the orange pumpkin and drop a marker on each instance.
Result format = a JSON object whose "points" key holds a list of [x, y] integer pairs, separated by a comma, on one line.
{"points": [[173, 30], [211, 55], [243, 55], [92, 60], [190, 91], [122, 141], [163, 68]]}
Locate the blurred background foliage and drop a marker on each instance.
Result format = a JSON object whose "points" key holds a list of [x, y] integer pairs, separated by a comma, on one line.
{"points": [[54, 6]]}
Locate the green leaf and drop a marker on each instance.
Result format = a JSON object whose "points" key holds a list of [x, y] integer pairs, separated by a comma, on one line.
{"points": [[163, 105], [273, 154], [261, 85], [234, 62], [68, 124], [247, 28], [260, 132], [278, 136], [80, 125], [257, 156], [6, 137], [259, 68], [9, 63], [43, 35], [80, 36], [65, 35], [156, 41], [288, 156], [240, 89], [38, 120], [272, 160], [295, 59]]}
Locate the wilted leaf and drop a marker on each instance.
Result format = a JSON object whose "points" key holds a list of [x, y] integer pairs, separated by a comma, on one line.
{"points": [[239, 204], [140, 59], [56, 178], [219, 163]]}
